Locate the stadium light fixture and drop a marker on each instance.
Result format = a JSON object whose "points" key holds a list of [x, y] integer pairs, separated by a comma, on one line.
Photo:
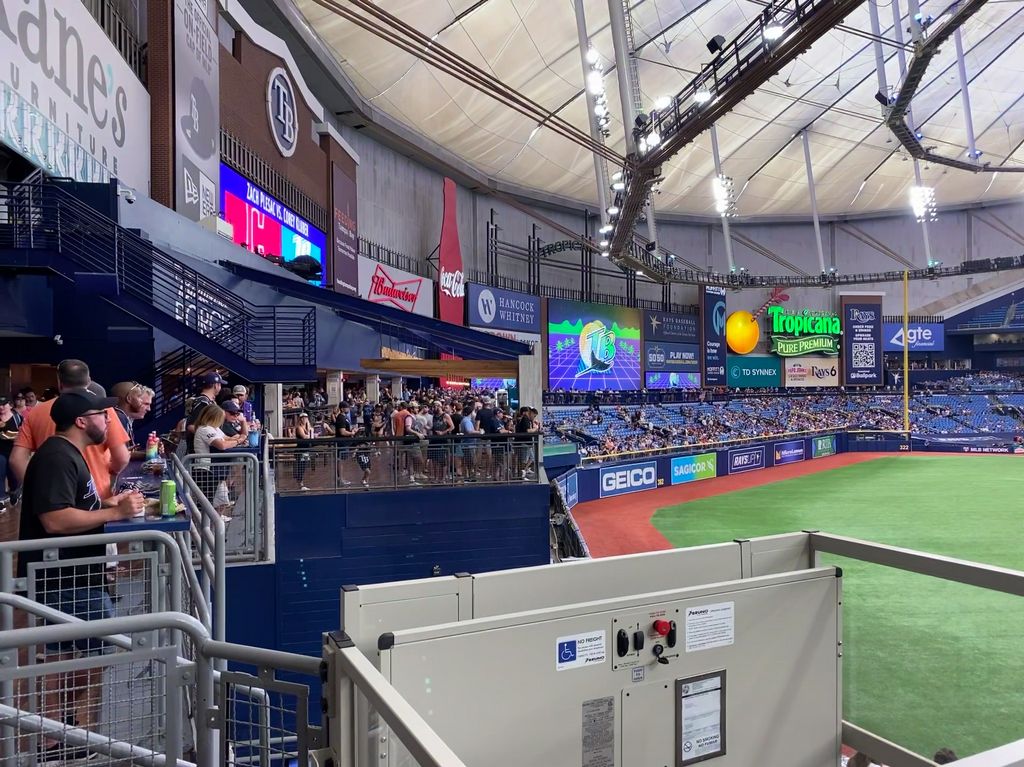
{"points": [[603, 243], [702, 96], [922, 202], [606, 229], [613, 210], [592, 56], [604, 254], [662, 102], [617, 175], [653, 139], [773, 32], [618, 186], [721, 191], [595, 82]]}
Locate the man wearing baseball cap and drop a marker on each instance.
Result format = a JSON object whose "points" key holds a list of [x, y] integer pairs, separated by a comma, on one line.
{"points": [[61, 498], [209, 388], [241, 396], [105, 460]]}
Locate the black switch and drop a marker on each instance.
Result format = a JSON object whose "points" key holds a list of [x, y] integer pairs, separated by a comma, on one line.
{"points": [[622, 643], [638, 640], [670, 640]]}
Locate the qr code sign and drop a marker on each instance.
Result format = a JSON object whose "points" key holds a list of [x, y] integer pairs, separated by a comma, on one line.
{"points": [[863, 355]]}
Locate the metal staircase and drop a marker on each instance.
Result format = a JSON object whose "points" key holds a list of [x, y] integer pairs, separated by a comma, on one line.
{"points": [[42, 225]]}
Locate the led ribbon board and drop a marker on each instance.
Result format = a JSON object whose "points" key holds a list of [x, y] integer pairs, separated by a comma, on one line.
{"points": [[795, 334]]}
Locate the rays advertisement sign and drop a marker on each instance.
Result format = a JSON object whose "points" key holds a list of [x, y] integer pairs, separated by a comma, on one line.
{"points": [[632, 478], [746, 459], [690, 468]]}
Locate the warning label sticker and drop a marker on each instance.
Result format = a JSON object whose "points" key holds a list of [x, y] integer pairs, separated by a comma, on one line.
{"points": [[710, 626], [580, 650]]}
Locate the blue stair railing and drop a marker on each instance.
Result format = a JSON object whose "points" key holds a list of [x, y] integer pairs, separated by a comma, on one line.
{"points": [[145, 280]]}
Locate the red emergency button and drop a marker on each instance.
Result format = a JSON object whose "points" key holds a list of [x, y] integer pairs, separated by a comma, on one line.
{"points": [[662, 627]]}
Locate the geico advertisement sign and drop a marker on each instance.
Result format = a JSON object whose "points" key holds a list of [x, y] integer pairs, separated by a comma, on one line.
{"points": [[619, 480]]}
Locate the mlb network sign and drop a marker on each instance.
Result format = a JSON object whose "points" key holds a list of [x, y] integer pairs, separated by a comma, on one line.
{"points": [[746, 459], [689, 468], [619, 480], [923, 337]]}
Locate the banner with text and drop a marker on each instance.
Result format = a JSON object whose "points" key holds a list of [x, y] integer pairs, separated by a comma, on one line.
{"points": [[671, 328], [503, 309], [390, 286], [672, 357], [713, 335], [345, 261], [862, 340], [823, 446], [924, 336], [196, 108], [631, 478], [753, 371], [70, 103], [690, 468], [802, 372], [788, 452], [744, 459]]}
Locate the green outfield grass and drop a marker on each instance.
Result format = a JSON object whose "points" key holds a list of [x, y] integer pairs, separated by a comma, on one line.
{"points": [[927, 663]]}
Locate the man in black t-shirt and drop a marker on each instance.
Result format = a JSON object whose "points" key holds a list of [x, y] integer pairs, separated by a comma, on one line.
{"points": [[60, 500]]}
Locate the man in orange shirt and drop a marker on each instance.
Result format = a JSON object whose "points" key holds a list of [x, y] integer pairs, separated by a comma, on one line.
{"points": [[105, 460]]}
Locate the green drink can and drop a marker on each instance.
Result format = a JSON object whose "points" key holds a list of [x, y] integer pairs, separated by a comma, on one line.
{"points": [[168, 498]]}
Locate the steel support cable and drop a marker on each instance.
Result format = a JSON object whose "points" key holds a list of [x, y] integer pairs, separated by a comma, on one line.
{"points": [[393, 30]]}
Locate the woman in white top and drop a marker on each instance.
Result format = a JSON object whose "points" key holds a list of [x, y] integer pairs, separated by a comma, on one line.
{"points": [[209, 438]]}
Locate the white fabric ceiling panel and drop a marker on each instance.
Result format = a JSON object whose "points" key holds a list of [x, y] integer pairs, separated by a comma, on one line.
{"points": [[531, 46]]}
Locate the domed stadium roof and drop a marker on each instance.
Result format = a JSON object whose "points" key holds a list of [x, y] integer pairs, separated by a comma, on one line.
{"points": [[532, 46]]}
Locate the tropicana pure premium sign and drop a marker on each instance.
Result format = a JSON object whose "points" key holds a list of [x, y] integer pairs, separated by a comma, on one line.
{"points": [[795, 334]]}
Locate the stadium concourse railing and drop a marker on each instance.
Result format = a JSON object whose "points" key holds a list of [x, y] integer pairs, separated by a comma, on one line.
{"points": [[327, 464]]}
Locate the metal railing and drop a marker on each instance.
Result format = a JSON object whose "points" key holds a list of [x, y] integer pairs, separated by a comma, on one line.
{"points": [[46, 217], [232, 483], [338, 465], [122, 33]]}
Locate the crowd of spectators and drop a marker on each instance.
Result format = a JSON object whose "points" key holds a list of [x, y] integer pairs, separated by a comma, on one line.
{"points": [[611, 429]]}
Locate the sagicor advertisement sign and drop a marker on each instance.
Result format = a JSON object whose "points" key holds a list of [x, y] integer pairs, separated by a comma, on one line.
{"points": [[71, 104], [631, 478], [503, 309], [690, 468], [924, 337]]}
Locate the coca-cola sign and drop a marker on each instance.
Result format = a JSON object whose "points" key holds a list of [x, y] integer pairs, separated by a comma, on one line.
{"points": [[396, 288], [452, 294]]}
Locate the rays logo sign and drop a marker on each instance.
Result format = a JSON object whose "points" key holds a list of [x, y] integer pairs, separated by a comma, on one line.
{"points": [[597, 349], [593, 346]]}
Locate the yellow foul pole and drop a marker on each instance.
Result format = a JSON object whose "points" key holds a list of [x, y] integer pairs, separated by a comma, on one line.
{"points": [[906, 353]]}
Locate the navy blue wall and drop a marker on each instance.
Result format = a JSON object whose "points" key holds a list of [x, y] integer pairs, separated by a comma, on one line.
{"points": [[116, 345], [327, 541]]}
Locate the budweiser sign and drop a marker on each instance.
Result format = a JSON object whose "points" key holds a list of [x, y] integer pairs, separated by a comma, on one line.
{"points": [[385, 289], [453, 283]]}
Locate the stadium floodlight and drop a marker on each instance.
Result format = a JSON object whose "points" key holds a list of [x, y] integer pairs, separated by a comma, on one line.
{"points": [[773, 32], [653, 139], [600, 109], [592, 56], [603, 243], [617, 175], [606, 229], [604, 254], [922, 202], [618, 186], [702, 96], [613, 210], [662, 102], [639, 273], [595, 82], [721, 190]]}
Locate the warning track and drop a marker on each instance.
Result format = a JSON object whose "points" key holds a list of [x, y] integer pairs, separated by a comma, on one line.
{"points": [[622, 525]]}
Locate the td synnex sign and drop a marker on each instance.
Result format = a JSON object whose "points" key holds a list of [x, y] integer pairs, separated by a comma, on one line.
{"points": [[619, 480], [689, 468]]}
